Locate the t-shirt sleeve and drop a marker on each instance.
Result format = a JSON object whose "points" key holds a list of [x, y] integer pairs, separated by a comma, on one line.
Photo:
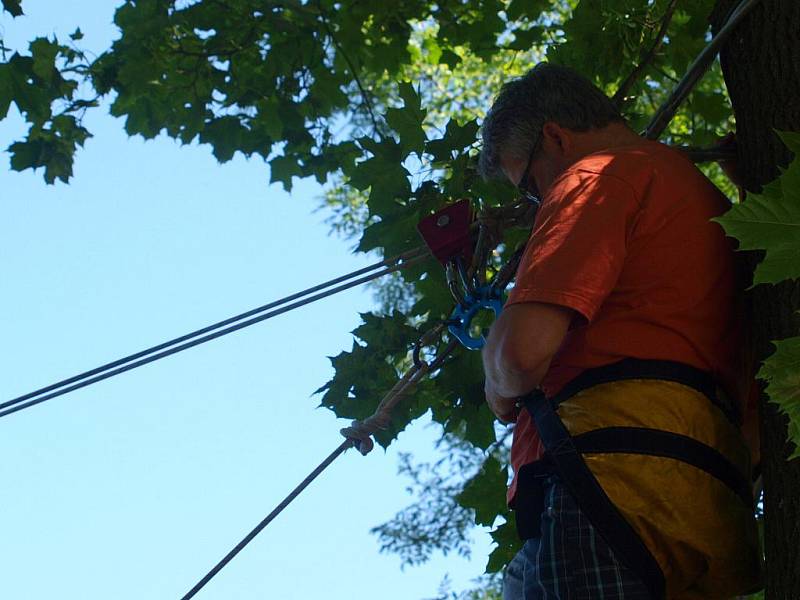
{"points": [[578, 244]]}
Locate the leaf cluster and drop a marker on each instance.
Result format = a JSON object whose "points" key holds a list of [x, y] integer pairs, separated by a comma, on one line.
{"points": [[39, 86], [450, 496], [434, 521]]}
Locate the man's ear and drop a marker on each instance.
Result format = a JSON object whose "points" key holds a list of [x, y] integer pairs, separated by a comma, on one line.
{"points": [[556, 138]]}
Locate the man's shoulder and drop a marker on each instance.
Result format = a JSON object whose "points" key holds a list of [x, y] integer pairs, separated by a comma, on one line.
{"points": [[632, 163], [649, 169]]}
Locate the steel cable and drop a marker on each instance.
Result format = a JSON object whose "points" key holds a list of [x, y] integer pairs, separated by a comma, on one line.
{"points": [[219, 329], [268, 519], [356, 435], [696, 71]]}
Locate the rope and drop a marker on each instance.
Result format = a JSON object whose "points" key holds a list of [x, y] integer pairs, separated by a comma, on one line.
{"points": [[360, 432], [211, 332], [358, 435], [278, 509]]}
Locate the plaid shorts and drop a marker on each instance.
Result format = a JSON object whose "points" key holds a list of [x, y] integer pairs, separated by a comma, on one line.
{"points": [[570, 561]]}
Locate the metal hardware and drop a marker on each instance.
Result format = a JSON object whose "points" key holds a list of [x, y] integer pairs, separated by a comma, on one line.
{"points": [[485, 297]]}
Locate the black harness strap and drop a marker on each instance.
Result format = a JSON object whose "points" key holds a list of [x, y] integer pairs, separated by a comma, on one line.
{"points": [[654, 442], [591, 498], [664, 370]]}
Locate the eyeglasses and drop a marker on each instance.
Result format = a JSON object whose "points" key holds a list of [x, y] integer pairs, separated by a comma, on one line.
{"points": [[527, 184]]}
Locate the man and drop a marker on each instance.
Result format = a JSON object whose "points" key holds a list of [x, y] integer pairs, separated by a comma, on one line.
{"points": [[624, 313]]}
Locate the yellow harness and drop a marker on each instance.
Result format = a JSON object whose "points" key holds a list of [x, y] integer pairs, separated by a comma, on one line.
{"points": [[695, 523]]}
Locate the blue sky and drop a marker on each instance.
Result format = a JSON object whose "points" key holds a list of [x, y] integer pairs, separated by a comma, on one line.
{"points": [[133, 488]]}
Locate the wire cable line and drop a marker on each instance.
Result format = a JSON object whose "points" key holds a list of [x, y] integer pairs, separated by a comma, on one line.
{"points": [[357, 435], [268, 519], [696, 70], [219, 329]]}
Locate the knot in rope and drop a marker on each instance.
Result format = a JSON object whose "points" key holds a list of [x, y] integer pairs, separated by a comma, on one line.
{"points": [[361, 432]]}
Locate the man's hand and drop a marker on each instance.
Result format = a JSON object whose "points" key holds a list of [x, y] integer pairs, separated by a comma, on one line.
{"points": [[504, 409]]}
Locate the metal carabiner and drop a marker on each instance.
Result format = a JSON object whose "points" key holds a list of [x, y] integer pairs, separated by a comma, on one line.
{"points": [[456, 290], [485, 297]]}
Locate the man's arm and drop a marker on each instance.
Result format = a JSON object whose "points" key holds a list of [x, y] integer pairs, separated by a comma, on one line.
{"points": [[518, 351]]}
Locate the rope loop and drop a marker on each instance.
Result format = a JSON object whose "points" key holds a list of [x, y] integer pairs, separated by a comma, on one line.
{"points": [[361, 432]]}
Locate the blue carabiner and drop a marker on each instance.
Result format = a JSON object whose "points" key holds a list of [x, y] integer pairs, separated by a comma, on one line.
{"points": [[485, 297]]}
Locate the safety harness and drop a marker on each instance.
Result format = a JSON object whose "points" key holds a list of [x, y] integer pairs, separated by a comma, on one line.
{"points": [[564, 457]]}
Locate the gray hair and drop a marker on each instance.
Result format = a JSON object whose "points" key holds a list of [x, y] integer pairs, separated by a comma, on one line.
{"points": [[547, 92]]}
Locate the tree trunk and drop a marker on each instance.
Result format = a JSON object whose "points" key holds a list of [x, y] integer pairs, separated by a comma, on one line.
{"points": [[761, 65]]}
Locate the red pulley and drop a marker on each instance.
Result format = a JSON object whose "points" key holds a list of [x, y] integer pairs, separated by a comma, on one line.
{"points": [[447, 231]]}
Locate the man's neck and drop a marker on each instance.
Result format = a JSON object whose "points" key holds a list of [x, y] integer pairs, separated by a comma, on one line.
{"points": [[614, 135]]}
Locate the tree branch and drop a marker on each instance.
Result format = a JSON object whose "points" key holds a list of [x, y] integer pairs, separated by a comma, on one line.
{"points": [[364, 95], [646, 58]]}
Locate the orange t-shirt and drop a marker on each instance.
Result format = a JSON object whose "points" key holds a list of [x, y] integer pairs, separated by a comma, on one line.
{"points": [[624, 238]]}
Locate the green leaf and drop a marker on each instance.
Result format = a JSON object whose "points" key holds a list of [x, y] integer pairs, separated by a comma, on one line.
{"points": [[364, 375], [13, 6], [485, 492], [283, 168], [226, 135], [44, 54], [411, 100], [508, 544], [384, 174], [390, 334], [770, 221], [412, 136], [713, 107], [456, 138], [31, 99], [434, 297], [269, 119], [464, 410], [327, 91], [6, 89], [449, 58], [525, 39], [395, 233], [144, 118], [59, 166], [76, 35], [407, 122], [601, 40], [526, 9], [67, 129], [53, 154], [782, 373], [434, 51], [26, 155], [479, 421], [456, 185], [792, 141]]}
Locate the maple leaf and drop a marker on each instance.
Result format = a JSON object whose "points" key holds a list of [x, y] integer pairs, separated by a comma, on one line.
{"points": [[782, 373], [770, 221]]}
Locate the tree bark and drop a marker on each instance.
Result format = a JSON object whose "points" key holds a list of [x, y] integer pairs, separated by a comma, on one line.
{"points": [[761, 65]]}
